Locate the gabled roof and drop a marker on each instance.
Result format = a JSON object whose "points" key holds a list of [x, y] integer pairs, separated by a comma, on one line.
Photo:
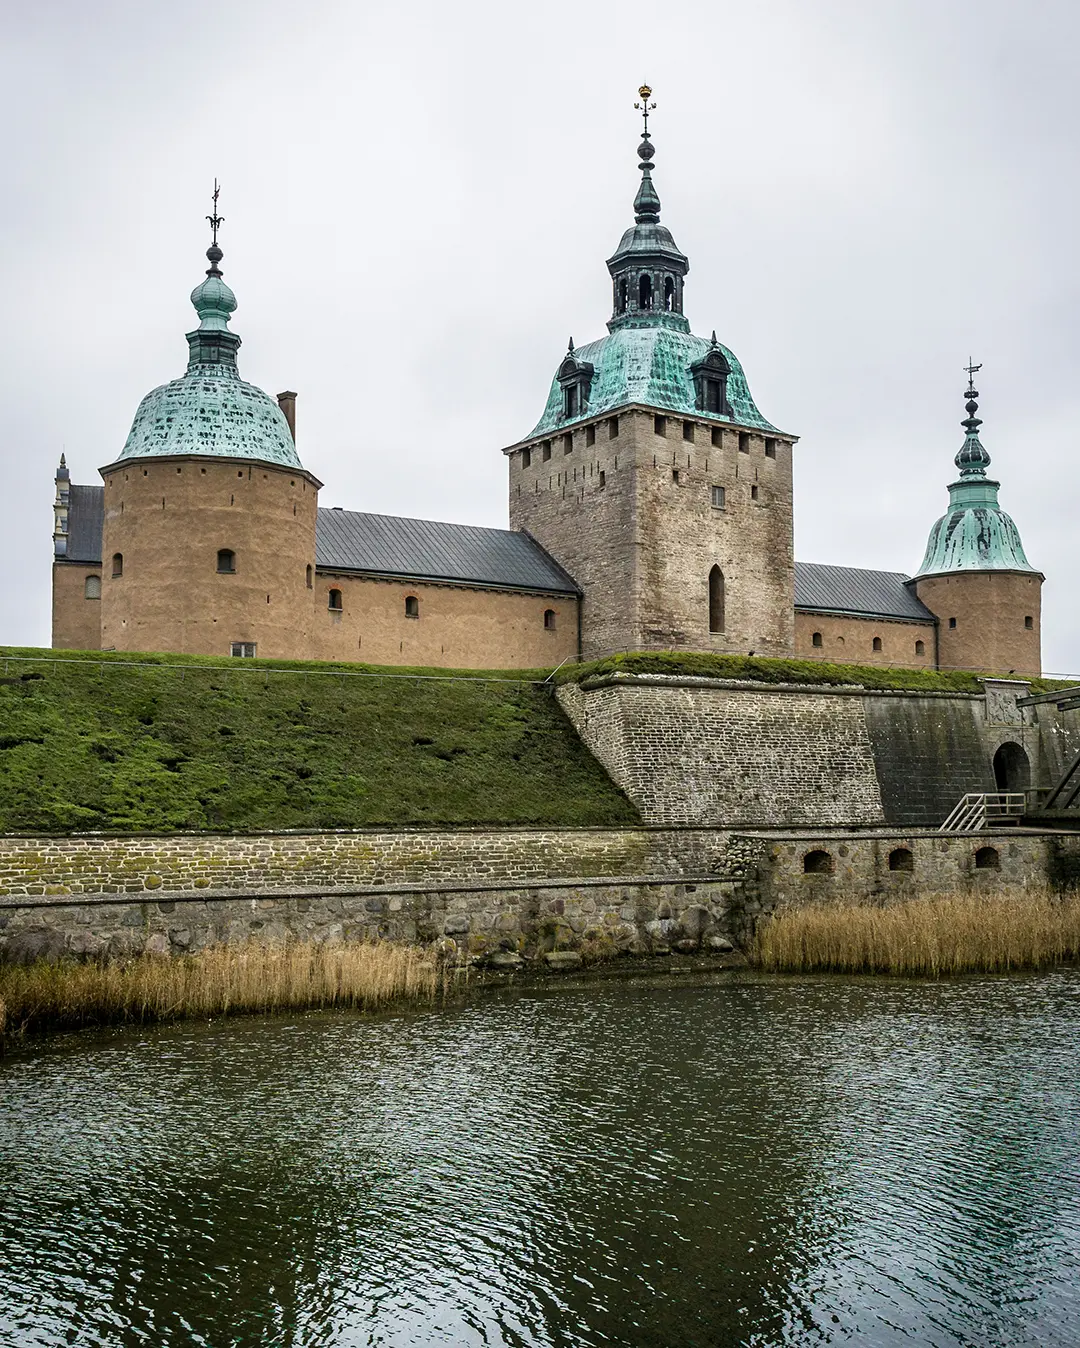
{"points": [[387, 545], [853, 590], [86, 518]]}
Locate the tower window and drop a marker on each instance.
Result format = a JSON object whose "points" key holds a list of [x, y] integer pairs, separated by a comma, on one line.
{"points": [[755, 491], [118, 564], [243, 650], [412, 606], [817, 639], [612, 428], [545, 450], [526, 458], [309, 576], [92, 588], [1029, 623], [568, 443], [952, 622], [590, 435], [226, 561], [675, 476], [716, 600], [621, 296], [718, 497], [334, 603], [659, 425], [744, 442], [669, 294], [920, 648], [549, 619], [645, 293], [603, 478], [770, 449], [717, 438], [688, 431]]}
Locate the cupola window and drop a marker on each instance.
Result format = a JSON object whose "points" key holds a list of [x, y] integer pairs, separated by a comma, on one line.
{"points": [[645, 292], [669, 294], [711, 382], [575, 380]]}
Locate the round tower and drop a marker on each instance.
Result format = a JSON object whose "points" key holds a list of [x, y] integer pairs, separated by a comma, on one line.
{"points": [[975, 577], [208, 544]]}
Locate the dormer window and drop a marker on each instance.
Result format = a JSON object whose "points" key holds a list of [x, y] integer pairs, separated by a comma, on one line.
{"points": [[575, 379], [710, 382]]}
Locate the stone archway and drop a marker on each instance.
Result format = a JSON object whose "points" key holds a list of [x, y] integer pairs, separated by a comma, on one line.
{"points": [[1012, 768]]}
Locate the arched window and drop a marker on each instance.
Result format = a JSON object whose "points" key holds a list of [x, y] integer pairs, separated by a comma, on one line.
{"points": [[118, 564], [335, 605], [669, 294], [716, 600], [877, 643], [987, 859], [818, 863], [817, 639], [623, 295], [412, 606], [226, 561], [920, 648], [310, 576], [549, 619], [901, 859], [644, 292], [92, 588]]}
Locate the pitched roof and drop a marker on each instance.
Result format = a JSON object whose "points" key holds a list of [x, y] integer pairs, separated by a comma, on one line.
{"points": [[850, 589], [386, 545], [86, 517]]}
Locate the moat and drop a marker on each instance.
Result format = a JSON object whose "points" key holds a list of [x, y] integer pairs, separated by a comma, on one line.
{"points": [[740, 1160]]}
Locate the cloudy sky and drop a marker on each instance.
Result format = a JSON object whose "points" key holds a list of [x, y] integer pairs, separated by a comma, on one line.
{"points": [[419, 198]]}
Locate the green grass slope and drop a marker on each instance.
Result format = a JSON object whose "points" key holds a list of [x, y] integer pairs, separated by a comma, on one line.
{"points": [[196, 743]]}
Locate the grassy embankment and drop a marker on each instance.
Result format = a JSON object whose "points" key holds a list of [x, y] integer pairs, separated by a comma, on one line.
{"points": [[190, 742], [933, 935], [759, 669], [225, 980]]}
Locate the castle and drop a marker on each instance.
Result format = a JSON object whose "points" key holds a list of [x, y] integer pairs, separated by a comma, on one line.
{"points": [[650, 508]]}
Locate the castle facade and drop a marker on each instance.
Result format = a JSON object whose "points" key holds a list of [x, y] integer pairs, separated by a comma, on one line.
{"points": [[651, 507]]}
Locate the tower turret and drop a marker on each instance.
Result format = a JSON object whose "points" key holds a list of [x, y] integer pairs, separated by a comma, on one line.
{"points": [[209, 530], [651, 475], [974, 574]]}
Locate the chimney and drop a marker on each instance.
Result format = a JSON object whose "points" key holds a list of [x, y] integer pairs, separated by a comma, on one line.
{"points": [[287, 403]]}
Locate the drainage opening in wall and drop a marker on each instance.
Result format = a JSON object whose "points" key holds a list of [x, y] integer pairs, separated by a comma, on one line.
{"points": [[987, 859], [818, 863]]}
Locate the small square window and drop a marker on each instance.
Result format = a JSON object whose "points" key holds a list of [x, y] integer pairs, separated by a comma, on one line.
{"points": [[659, 425], [952, 622], [688, 431], [770, 449], [243, 650], [718, 498], [1029, 623], [744, 442]]}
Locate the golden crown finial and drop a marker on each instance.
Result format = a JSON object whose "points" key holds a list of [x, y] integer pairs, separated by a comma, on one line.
{"points": [[645, 107]]}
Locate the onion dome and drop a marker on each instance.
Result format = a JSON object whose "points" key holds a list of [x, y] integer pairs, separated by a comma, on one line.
{"points": [[974, 534], [210, 411]]}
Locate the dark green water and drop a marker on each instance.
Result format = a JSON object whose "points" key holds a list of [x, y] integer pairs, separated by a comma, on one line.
{"points": [[749, 1162]]}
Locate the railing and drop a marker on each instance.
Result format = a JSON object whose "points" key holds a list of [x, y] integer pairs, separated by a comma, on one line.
{"points": [[978, 810]]}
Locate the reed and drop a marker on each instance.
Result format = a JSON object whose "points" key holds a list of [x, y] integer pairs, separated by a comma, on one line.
{"points": [[223, 980], [933, 935]]}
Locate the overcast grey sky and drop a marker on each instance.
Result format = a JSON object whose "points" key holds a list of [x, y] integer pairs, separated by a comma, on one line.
{"points": [[419, 199]]}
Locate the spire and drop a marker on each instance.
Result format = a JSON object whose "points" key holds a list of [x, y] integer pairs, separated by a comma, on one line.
{"points": [[647, 268], [972, 459], [212, 343]]}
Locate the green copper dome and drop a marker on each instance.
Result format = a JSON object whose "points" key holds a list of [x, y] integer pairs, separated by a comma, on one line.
{"points": [[211, 411], [650, 355], [974, 534], [651, 364]]}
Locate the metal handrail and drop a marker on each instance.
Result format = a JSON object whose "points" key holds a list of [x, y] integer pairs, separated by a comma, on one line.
{"points": [[975, 810]]}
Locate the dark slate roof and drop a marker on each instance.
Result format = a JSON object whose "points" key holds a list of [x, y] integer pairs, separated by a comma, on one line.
{"points": [[347, 540], [850, 589], [86, 517]]}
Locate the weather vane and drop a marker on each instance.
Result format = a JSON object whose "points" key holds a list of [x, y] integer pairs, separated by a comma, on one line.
{"points": [[215, 219], [645, 107], [972, 371]]}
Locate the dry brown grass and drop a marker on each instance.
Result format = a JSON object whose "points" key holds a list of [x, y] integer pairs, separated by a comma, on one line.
{"points": [[932, 935], [223, 980]]}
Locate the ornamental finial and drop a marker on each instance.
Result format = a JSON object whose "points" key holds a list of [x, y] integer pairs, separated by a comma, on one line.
{"points": [[645, 107], [214, 253], [972, 459]]}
